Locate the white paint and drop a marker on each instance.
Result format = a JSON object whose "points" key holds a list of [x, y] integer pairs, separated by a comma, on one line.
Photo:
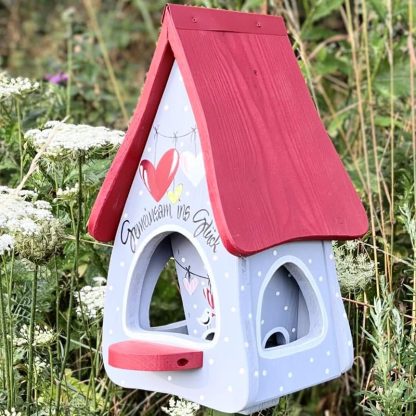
{"points": [[308, 341]]}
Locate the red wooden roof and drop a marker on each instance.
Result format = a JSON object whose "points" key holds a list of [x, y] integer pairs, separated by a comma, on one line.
{"points": [[273, 173]]}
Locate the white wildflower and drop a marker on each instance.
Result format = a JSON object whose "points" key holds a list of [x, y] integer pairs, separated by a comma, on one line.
{"points": [[36, 233], [16, 87], [64, 139], [355, 269], [39, 364], [13, 412], [91, 299], [181, 407], [42, 336], [67, 194], [6, 243]]}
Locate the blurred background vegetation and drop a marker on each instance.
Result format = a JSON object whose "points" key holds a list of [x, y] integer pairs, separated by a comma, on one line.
{"points": [[358, 59]]}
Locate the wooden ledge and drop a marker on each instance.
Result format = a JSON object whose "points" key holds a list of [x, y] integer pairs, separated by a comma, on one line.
{"points": [[149, 356]]}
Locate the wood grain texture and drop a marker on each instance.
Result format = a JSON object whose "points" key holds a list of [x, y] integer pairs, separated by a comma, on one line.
{"points": [[148, 356], [108, 206], [273, 173]]}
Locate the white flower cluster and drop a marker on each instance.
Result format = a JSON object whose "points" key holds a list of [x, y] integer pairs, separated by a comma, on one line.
{"points": [[42, 336], [67, 194], [27, 225], [18, 215], [39, 364], [12, 87], [91, 299], [13, 412], [6, 243], [181, 407], [64, 139], [355, 269]]}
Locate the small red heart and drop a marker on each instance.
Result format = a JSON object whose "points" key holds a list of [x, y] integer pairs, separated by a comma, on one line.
{"points": [[157, 180]]}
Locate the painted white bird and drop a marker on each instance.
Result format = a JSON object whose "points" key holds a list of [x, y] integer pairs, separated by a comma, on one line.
{"points": [[205, 318]]}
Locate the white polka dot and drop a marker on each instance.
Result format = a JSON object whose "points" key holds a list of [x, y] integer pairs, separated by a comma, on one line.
{"points": [[281, 388], [242, 288], [211, 361], [118, 309], [181, 144], [328, 353], [290, 374], [227, 275], [226, 339], [331, 257], [326, 370], [293, 330], [262, 322], [309, 261], [259, 273], [169, 378], [195, 331], [140, 192], [202, 283], [277, 293], [320, 278], [250, 315], [122, 264], [123, 382], [110, 331], [202, 397], [246, 344], [215, 257], [274, 252], [311, 360], [125, 215], [337, 294], [256, 373], [230, 388], [264, 373], [110, 288], [286, 308], [166, 107], [186, 108], [345, 316], [187, 193], [149, 149], [195, 306], [349, 343], [183, 260], [242, 371], [233, 308]]}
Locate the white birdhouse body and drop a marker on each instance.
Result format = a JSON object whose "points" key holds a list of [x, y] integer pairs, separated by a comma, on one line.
{"points": [[265, 323], [227, 171]]}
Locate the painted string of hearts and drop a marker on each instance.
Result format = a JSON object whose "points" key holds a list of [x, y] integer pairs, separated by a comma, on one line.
{"points": [[158, 178]]}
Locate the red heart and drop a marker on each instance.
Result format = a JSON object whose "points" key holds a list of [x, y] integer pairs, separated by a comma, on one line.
{"points": [[157, 180]]}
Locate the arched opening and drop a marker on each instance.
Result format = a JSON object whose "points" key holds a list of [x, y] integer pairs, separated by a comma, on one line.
{"points": [[289, 309], [170, 290]]}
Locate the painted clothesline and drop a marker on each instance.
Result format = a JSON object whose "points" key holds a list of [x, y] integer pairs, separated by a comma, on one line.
{"points": [[175, 135], [189, 273]]}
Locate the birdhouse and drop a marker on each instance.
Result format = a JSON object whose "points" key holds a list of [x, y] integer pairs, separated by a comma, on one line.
{"points": [[227, 172]]}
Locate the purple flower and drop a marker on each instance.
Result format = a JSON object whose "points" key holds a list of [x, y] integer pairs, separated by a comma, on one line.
{"points": [[58, 78]]}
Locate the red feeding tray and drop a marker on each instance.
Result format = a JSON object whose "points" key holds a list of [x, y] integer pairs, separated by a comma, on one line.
{"points": [[149, 356]]}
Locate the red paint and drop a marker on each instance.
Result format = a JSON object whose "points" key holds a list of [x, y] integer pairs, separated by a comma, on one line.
{"points": [[209, 297], [158, 180], [273, 173], [149, 356]]}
